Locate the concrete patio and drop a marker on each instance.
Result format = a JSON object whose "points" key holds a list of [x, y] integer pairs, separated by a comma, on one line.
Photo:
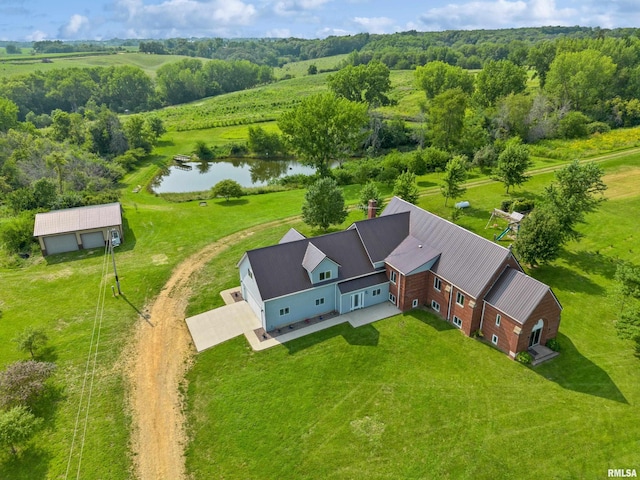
{"points": [[236, 318]]}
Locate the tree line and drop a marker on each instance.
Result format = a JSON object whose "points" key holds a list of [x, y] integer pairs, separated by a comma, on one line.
{"points": [[128, 88]]}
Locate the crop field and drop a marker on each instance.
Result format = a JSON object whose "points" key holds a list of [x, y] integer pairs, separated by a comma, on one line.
{"points": [[148, 63]]}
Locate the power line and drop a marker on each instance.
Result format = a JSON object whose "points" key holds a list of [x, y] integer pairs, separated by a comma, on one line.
{"points": [[97, 324]]}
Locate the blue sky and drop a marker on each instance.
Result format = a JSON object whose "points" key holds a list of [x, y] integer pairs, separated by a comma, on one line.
{"points": [[28, 20]]}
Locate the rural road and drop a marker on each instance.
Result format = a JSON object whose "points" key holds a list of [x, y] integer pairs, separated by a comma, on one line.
{"points": [[158, 358]]}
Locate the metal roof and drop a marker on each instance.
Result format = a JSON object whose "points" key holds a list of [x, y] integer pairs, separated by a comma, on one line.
{"points": [[278, 268], [467, 260], [517, 294], [77, 219], [313, 256], [410, 255], [382, 235], [363, 282], [291, 236]]}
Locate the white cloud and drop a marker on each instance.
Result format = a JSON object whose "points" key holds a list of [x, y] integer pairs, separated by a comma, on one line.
{"points": [[36, 36], [296, 7], [498, 14], [76, 26], [279, 33], [183, 17], [375, 24]]}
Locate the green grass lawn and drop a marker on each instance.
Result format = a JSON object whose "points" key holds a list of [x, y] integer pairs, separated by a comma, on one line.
{"points": [[410, 397]]}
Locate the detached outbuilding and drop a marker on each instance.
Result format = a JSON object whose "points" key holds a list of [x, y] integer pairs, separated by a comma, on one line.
{"points": [[79, 228]]}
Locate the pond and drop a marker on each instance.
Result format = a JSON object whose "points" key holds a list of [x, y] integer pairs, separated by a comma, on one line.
{"points": [[199, 176]]}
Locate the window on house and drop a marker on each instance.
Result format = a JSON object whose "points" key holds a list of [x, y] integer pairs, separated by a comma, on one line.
{"points": [[414, 304], [460, 299], [394, 276], [376, 292], [457, 321], [250, 273], [435, 305], [325, 275], [392, 298], [284, 311], [494, 339], [498, 320], [319, 301], [437, 284]]}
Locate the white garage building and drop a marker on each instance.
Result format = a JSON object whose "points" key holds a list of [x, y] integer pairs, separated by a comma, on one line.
{"points": [[79, 228]]}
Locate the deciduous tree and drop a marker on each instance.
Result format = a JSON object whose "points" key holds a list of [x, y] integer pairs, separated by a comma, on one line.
{"points": [[17, 426], [370, 192], [498, 79], [323, 128], [405, 187], [446, 118], [368, 83], [539, 238], [455, 173], [227, 188], [324, 204], [31, 340], [22, 382], [436, 77], [513, 163]]}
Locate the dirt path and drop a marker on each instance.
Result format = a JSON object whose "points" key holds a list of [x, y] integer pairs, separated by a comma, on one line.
{"points": [[158, 358]]}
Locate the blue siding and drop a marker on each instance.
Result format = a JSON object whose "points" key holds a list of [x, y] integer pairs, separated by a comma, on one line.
{"points": [[250, 288], [326, 265], [369, 298], [301, 306]]}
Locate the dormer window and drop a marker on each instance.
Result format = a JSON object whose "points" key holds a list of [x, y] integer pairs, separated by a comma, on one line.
{"points": [[325, 275]]}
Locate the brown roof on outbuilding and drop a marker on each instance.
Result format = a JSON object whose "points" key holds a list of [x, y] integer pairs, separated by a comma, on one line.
{"points": [[517, 294], [77, 219], [467, 260]]}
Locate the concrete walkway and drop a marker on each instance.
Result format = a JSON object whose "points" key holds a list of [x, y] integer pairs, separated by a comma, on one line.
{"points": [[236, 318]]}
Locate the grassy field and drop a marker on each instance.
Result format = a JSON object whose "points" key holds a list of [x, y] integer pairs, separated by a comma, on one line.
{"points": [[148, 63], [410, 397], [300, 69], [406, 397]]}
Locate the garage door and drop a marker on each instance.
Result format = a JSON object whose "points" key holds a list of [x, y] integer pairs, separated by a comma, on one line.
{"points": [[92, 240], [61, 243], [255, 306]]}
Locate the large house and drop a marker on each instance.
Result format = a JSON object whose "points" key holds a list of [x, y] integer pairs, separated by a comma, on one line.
{"points": [[408, 257]]}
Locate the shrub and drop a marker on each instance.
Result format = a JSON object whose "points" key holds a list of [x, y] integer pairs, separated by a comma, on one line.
{"points": [[553, 344], [573, 125], [342, 176], [524, 357], [523, 206], [296, 181], [21, 383], [435, 159], [486, 157], [17, 233], [238, 150], [598, 127], [505, 206]]}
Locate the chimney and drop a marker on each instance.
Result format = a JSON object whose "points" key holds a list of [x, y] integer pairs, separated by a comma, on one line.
{"points": [[371, 209]]}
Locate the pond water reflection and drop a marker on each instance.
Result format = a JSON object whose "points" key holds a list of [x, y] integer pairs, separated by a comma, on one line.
{"points": [[198, 176]]}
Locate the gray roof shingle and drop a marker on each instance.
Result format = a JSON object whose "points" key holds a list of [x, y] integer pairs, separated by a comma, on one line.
{"points": [[278, 269], [382, 235], [291, 236], [77, 219], [517, 294], [467, 260], [410, 255]]}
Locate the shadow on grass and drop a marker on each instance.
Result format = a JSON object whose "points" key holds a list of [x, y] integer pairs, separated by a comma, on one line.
{"points": [[431, 319], [425, 184], [573, 371], [592, 262], [32, 463], [142, 314], [232, 203], [566, 279], [364, 336]]}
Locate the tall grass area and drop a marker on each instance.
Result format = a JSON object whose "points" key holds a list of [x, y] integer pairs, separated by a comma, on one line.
{"points": [[410, 397]]}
